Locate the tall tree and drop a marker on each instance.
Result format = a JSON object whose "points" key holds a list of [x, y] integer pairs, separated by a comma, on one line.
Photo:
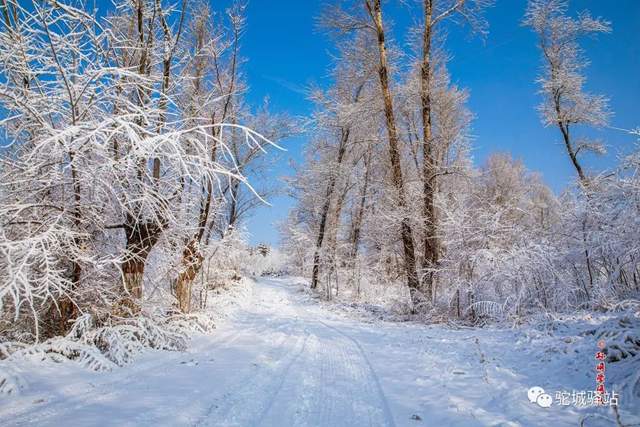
{"points": [[374, 10], [565, 101], [214, 98], [211, 98], [140, 49], [434, 12]]}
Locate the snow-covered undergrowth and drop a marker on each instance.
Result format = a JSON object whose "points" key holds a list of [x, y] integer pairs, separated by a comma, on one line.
{"points": [[621, 335], [103, 346], [572, 341]]}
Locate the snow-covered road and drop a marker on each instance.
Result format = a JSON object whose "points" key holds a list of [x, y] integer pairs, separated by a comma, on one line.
{"points": [[285, 360]]}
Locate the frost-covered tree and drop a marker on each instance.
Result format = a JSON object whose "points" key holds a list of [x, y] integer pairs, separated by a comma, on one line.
{"points": [[55, 90], [596, 269], [367, 17], [355, 210], [499, 250], [217, 94], [408, 99], [103, 140], [435, 12], [566, 103]]}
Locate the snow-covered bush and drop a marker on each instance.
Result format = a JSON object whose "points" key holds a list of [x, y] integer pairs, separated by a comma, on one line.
{"points": [[224, 259], [103, 346]]}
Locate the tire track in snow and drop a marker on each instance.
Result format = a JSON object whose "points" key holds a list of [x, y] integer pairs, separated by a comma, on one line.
{"points": [[332, 384], [389, 421], [235, 408], [325, 380]]}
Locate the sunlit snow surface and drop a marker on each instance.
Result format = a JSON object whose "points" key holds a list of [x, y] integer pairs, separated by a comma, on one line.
{"points": [[282, 359]]}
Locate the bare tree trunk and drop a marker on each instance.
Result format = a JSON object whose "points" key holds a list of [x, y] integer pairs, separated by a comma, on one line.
{"points": [[375, 11], [359, 216], [332, 241], [140, 236], [566, 136], [337, 214], [344, 140], [315, 271], [431, 250], [192, 263], [192, 258], [133, 273], [356, 225], [140, 239], [233, 210], [564, 129]]}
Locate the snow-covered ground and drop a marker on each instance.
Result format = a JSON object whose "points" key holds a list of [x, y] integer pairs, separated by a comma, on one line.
{"points": [[285, 360]]}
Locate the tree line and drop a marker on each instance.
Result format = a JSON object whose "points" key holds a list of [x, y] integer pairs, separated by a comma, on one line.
{"points": [[391, 207]]}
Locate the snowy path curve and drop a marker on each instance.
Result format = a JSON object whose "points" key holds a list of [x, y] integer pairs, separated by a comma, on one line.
{"points": [[286, 360]]}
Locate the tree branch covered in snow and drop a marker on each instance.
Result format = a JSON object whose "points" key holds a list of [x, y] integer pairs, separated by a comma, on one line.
{"points": [[124, 137]]}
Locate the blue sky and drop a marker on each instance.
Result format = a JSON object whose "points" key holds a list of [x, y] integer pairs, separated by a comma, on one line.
{"points": [[285, 54]]}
